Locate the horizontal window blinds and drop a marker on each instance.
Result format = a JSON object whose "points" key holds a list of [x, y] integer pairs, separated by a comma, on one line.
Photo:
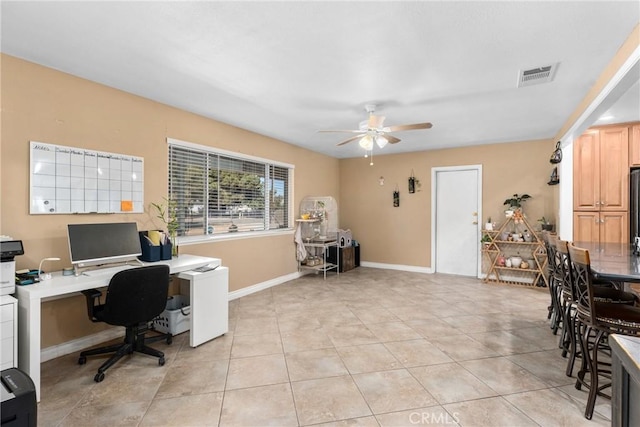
{"points": [[218, 193]]}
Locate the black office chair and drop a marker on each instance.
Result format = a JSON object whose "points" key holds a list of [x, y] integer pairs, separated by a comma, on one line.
{"points": [[134, 298]]}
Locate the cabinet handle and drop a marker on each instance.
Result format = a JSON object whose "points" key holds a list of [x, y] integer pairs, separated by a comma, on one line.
{"points": [[598, 203]]}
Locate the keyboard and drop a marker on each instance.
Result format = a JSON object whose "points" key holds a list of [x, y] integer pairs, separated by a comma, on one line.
{"points": [[107, 271]]}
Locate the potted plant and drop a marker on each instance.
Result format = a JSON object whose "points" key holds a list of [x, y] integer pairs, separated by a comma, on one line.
{"points": [[546, 225], [167, 212], [515, 203], [486, 240]]}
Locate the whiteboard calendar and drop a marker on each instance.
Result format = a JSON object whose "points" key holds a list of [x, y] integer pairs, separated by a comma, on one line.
{"points": [[68, 180]]}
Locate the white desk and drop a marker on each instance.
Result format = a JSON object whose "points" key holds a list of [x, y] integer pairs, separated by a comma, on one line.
{"points": [[208, 296]]}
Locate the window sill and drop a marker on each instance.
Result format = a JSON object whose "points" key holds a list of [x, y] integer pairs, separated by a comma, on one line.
{"points": [[194, 240]]}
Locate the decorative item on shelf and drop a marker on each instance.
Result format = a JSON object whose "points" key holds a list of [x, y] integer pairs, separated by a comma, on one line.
{"points": [[507, 262], [527, 236], [396, 197], [515, 207], [167, 212], [489, 225], [412, 183], [516, 261], [504, 236], [556, 156], [524, 265], [554, 180], [501, 261], [545, 224], [486, 241]]}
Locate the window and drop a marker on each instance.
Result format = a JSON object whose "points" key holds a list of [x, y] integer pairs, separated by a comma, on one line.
{"points": [[219, 192]]}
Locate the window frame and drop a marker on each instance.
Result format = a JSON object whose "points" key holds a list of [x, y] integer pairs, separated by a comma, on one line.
{"points": [[207, 150]]}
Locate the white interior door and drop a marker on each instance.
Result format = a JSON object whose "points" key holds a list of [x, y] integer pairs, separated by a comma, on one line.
{"points": [[456, 196]]}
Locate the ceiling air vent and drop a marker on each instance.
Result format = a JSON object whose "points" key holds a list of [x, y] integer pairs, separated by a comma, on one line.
{"points": [[536, 76]]}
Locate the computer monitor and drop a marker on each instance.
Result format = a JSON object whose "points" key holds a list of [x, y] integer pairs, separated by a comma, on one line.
{"points": [[95, 244]]}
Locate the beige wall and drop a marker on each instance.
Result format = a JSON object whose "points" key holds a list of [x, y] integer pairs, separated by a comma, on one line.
{"points": [[402, 235], [45, 105]]}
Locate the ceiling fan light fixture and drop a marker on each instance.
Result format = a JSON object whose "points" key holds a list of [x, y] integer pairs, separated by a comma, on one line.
{"points": [[381, 141], [366, 142]]}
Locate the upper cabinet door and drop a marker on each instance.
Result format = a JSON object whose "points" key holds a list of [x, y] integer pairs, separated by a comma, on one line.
{"points": [[634, 146], [614, 169], [586, 172]]}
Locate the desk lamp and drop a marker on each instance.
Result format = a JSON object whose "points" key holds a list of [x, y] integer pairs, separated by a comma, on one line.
{"points": [[47, 276]]}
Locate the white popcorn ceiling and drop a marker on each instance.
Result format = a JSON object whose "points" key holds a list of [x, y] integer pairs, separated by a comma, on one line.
{"points": [[289, 69]]}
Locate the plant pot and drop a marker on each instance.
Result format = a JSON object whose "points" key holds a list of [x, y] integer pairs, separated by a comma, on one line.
{"points": [[547, 227]]}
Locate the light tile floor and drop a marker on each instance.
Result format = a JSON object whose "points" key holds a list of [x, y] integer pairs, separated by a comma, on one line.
{"points": [[370, 347]]}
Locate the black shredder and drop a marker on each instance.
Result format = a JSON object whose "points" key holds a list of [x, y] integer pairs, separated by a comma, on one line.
{"points": [[19, 407]]}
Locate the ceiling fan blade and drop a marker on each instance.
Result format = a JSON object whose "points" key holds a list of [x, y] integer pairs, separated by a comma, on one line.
{"points": [[343, 130], [408, 127], [346, 141], [392, 139], [375, 122]]}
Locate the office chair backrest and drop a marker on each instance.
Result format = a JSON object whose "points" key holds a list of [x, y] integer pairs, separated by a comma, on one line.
{"points": [[136, 295]]}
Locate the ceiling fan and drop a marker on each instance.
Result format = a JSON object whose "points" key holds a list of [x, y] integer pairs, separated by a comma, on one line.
{"points": [[373, 130]]}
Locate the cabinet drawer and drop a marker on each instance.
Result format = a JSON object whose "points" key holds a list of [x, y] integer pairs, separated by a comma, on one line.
{"points": [[6, 330], [6, 313], [6, 353]]}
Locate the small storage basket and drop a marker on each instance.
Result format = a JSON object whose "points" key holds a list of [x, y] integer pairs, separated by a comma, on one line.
{"points": [[176, 318]]}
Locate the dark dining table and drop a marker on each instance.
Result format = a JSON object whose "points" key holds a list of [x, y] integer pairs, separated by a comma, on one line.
{"points": [[614, 262]]}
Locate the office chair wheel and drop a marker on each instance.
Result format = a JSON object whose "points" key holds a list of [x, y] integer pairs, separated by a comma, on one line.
{"points": [[82, 360], [169, 340], [99, 377], [161, 361]]}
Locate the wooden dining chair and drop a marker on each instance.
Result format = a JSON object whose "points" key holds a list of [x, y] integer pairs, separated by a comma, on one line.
{"points": [[553, 275], [598, 314]]}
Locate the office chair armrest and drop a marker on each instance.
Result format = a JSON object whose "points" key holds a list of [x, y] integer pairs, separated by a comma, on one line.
{"points": [[93, 299]]}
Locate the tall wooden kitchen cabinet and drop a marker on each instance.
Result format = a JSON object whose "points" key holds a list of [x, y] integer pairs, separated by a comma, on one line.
{"points": [[601, 185]]}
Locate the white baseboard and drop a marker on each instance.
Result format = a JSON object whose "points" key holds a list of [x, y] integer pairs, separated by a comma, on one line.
{"points": [[262, 286], [77, 345], [412, 268]]}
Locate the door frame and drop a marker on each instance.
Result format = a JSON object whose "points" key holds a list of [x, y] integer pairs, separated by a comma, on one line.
{"points": [[434, 189]]}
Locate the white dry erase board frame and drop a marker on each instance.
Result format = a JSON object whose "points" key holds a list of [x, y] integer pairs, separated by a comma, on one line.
{"points": [[69, 180]]}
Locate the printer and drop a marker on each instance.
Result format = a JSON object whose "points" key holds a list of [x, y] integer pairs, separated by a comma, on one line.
{"points": [[19, 407], [8, 250]]}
